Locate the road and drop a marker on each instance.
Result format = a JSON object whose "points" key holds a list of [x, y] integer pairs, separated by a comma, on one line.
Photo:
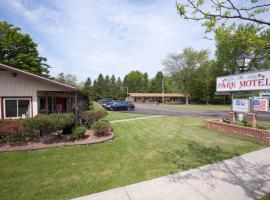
{"points": [[153, 109]]}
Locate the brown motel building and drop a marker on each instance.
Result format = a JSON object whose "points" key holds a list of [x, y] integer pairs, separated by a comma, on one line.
{"points": [[156, 97]]}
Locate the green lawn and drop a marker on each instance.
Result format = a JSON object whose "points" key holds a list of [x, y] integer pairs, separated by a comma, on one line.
{"points": [[200, 107], [143, 149], [120, 115]]}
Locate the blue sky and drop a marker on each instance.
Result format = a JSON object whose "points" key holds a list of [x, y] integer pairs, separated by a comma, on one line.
{"points": [[86, 37]]}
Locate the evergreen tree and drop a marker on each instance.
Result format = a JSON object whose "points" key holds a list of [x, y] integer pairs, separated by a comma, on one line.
{"points": [[145, 82], [99, 86]]}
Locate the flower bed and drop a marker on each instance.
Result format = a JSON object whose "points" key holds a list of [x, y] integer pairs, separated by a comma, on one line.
{"points": [[242, 131], [54, 141]]}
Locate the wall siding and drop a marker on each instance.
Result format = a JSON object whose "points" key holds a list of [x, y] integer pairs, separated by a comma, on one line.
{"points": [[24, 86]]}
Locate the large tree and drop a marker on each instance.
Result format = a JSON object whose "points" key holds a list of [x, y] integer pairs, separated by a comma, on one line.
{"points": [[182, 67], [227, 50], [18, 50], [134, 81]]}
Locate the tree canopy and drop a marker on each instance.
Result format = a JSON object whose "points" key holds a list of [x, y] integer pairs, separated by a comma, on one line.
{"points": [[217, 14], [18, 50], [213, 11]]}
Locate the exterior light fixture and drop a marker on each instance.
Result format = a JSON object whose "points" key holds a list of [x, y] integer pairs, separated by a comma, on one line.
{"points": [[243, 61]]}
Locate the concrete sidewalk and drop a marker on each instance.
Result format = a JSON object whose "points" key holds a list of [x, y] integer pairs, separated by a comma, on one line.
{"points": [[243, 177]]}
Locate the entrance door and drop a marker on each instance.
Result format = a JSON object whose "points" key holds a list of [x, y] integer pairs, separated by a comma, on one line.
{"points": [[60, 104]]}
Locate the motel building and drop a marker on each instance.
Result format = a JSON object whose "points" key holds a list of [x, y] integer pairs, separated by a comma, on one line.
{"points": [[23, 94], [156, 97]]}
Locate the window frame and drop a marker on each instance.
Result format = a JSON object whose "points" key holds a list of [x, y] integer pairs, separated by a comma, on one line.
{"points": [[4, 99]]}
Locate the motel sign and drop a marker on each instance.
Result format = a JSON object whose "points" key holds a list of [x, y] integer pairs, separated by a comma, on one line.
{"points": [[244, 82]]}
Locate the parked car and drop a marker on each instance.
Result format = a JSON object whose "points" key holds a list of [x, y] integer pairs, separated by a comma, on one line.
{"points": [[120, 105], [104, 102]]}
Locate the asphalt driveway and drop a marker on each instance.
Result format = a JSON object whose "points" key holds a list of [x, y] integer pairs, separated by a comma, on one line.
{"points": [[153, 109]]}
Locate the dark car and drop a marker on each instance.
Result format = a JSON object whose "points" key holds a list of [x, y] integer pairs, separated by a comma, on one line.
{"points": [[120, 105], [104, 102]]}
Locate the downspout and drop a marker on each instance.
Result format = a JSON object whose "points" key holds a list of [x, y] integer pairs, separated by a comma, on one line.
{"points": [[76, 109]]}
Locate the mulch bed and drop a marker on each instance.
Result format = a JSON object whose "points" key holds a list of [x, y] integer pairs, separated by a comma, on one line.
{"points": [[54, 141]]}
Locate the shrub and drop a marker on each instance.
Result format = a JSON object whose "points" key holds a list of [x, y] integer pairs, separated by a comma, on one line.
{"points": [[10, 126], [101, 128], [12, 130], [78, 132], [89, 117], [49, 124]]}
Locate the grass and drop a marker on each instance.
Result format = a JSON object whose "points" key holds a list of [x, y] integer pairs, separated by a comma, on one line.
{"points": [[120, 115], [141, 150], [200, 107]]}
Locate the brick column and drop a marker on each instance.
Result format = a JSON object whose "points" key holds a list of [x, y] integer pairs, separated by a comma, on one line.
{"points": [[231, 117], [251, 120]]}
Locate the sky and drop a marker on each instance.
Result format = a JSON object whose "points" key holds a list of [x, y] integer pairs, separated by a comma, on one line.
{"points": [[88, 37]]}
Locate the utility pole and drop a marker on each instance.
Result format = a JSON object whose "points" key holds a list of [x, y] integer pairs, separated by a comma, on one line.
{"points": [[127, 91], [162, 91]]}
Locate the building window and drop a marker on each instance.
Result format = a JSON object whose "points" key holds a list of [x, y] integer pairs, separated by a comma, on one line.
{"points": [[17, 107]]}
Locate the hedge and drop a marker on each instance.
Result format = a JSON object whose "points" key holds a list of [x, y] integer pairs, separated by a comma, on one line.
{"points": [[50, 124], [12, 130], [87, 118]]}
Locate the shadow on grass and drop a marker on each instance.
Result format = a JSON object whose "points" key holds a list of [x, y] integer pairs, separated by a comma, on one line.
{"points": [[192, 154]]}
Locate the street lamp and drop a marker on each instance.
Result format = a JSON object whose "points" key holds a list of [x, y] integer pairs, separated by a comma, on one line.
{"points": [[243, 61]]}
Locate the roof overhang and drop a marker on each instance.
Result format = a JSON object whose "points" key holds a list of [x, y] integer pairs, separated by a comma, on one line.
{"points": [[37, 77]]}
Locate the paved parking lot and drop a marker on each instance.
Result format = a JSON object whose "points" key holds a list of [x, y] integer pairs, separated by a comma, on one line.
{"points": [[153, 109]]}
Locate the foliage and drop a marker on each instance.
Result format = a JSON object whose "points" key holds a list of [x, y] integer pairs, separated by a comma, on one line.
{"points": [[134, 81], [87, 118], [232, 41], [12, 130], [10, 126], [215, 11], [68, 79], [18, 50], [182, 67], [48, 124], [101, 127], [78, 132], [107, 87], [217, 14], [156, 83]]}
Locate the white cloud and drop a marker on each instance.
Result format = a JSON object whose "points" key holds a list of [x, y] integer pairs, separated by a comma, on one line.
{"points": [[117, 36]]}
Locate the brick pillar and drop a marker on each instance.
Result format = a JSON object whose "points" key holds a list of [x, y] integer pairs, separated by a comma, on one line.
{"points": [[251, 120], [231, 117]]}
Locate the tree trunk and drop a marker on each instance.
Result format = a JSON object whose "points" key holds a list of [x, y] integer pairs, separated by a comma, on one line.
{"points": [[186, 100]]}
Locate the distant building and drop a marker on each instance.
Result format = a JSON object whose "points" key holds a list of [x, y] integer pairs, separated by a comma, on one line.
{"points": [[156, 97]]}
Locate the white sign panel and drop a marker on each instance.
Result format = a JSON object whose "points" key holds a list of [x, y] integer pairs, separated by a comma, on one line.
{"points": [[241, 105], [244, 82]]}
